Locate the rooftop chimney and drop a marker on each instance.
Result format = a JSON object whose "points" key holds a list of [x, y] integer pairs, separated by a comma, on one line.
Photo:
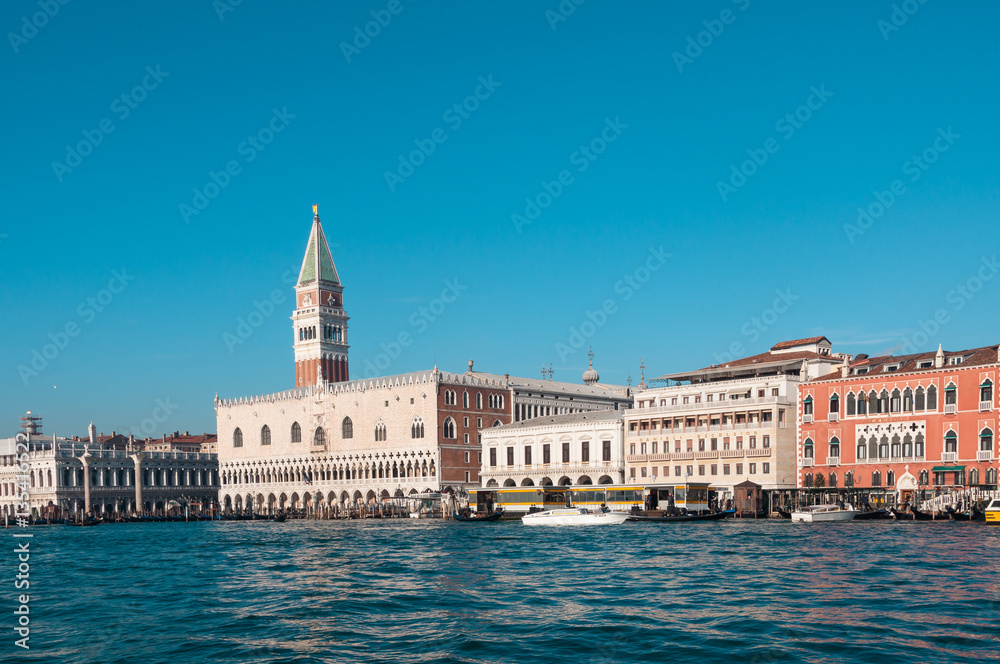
{"points": [[939, 358]]}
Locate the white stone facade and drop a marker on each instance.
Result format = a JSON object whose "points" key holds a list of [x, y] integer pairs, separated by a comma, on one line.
{"points": [[576, 449]]}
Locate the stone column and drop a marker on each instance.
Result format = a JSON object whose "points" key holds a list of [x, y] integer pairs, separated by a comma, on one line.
{"points": [[85, 460], [137, 457]]}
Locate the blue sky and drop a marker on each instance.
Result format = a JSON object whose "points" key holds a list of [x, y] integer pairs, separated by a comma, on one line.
{"points": [[627, 150]]}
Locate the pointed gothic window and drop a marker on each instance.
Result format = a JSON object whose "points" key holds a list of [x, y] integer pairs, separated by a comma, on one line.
{"points": [[237, 438], [265, 435], [296, 433], [347, 428]]}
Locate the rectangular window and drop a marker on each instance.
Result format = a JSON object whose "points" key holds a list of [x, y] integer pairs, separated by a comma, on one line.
{"points": [[725, 469], [686, 400], [466, 437], [493, 456], [510, 456], [643, 472], [701, 470], [677, 471], [753, 442], [467, 476], [739, 442], [715, 444], [606, 452], [480, 458], [631, 448], [654, 446], [767, 441], [466, 457], [642, 448], [739, 469], [565, 452], [709, 398], [546, 454], [760, 393], [673, 402], [765, 467], [690, 445], [479, 438], [466, 421], [701, 445], [585, 451], [753, 469], [527, 455], [715, 469], [690, 471], [774, 391], [479, 422], [631, 473]]}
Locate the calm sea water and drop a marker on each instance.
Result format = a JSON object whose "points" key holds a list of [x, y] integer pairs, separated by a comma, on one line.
{"points": [[432, 591]]}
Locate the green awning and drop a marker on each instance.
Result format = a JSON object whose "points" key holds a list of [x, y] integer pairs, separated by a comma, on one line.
{"points": [[947, 469]]}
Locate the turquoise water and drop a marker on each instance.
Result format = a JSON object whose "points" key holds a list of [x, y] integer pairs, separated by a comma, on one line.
{"points": [[431, 591]]}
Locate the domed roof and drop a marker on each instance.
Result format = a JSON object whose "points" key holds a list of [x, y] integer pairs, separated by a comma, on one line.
{"points": [[590, 376]]}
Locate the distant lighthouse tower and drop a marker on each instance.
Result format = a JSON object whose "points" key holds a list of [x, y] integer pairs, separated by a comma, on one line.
{"points": [[319, 322]]}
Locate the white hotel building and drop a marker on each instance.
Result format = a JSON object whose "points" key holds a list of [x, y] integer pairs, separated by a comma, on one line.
{"points": [[725, 424]]}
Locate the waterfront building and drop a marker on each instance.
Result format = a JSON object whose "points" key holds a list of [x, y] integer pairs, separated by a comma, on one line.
{"points": [[727, 423], [919, 424], [333, 443], [575, 449], [70, 476]]}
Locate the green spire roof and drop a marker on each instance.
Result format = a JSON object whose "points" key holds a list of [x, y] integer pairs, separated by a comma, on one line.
{"points": [[318, 254]]}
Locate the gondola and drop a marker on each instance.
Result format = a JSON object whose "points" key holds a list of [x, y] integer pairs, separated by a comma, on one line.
{"points": [[86, 522], [880, 513], [956, 515], [921, 516], [280, 518], [495, 516], [978, 514], [716, 516], [902, 516], [783, 514]]}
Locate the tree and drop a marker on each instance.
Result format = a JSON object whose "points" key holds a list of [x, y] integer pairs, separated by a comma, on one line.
{"points": [[819, 481]]}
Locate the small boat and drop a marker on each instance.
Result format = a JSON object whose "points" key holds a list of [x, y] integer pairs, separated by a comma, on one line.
{"points": [[958, 516], [873, 515], [822, 514], [921, 516], [85, 522], [992, 513], [715, 516], [280, 518], [495, 516], [573, 516]]}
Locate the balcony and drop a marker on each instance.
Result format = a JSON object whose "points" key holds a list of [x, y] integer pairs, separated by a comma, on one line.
{"points": [[834, 417], [985, 406], [833, 461], [708, 454], [729, 404], [984, 455], [808, 462], [807, 418], [762, 452], [950, 408], [949, 457]]}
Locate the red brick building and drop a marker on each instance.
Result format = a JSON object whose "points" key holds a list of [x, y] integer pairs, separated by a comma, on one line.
{"points": [[899, 426]]}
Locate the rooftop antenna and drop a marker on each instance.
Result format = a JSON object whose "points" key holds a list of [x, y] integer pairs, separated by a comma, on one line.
{"points": [[543, 371], [629, 380], [550, 372], [642, 379]]}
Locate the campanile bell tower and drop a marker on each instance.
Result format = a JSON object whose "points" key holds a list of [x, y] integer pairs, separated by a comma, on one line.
{"points": [[319, 322]]}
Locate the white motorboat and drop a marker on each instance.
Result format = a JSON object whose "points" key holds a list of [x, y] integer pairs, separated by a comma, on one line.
{"points": [[823, 513], [573, 516]]}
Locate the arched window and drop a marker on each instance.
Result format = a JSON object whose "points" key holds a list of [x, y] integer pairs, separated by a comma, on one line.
{"points": [[986, 393], [319, 438], [986, 440], [380, 433], [924, 478], [835, 448], [479, 400], [883, 402], [449, 397], [862, 404], [897, 446], [465, 399], [808, 481], [918, 446], [876, 478], [950, 395], [951, 441], [873, 448], [500, 401], [833, 480], [862, 451], [347, 428], [991, 476], [907, 400], [497, 423], [883, 447], [974, 477], [807, 406], [849, 479], [851, 409], [890, 478], [449, 428], [895, 402], [265, 435], [808, 450], [931, 398], [907, 445], [835, 403], [237, 438], [872, 403], [296, 433]]}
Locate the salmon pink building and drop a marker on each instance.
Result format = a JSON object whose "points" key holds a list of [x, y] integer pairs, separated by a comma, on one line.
{"points": [[908, 427]]}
